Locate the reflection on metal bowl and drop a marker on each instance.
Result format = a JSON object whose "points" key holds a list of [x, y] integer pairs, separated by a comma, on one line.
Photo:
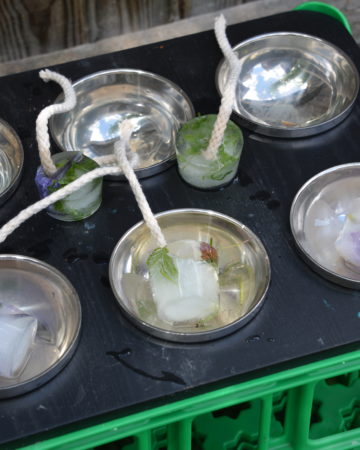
{"points": [[291, 84], [155, 106], [11, 161], [317, 218], [42, 292]]}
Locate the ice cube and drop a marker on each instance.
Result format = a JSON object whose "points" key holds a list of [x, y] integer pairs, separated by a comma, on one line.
{"points": [[185, 288], [17, 335], [348, 242]]}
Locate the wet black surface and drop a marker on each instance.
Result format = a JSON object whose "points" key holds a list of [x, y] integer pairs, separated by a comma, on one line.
{"points": [[117, 368]]}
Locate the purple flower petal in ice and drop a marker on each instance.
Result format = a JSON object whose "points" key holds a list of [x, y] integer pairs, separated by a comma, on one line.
{"points": [[355, 237], [43, 182]]}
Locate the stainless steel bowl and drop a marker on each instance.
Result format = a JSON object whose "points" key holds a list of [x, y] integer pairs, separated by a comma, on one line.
{"points": [[11, 161], [155, 105], [317, 216], [240, 251], [43, 292], [291, 84]]}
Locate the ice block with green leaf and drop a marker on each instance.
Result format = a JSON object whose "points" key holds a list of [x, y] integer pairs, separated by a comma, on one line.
{"points": [[193, 138], [184, 281]]}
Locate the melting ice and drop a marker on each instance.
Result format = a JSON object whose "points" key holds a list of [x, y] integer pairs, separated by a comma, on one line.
{"points": [[184, 281], [17, 334], [348, 242]]}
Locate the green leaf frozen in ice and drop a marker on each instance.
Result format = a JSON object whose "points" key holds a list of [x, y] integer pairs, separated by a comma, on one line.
{"points": [[160, 260]]}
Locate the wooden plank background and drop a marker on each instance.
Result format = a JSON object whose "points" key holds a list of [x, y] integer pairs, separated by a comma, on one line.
{"points": [[33, 27]]}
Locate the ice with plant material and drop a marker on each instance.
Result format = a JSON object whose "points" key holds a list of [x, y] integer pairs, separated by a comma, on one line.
{"points": [[17, 334], [348, 242], [193, 138], [184, 281], [79, 204]]}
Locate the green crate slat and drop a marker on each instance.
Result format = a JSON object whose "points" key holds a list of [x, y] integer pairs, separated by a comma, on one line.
{"points": [[177, 417]]}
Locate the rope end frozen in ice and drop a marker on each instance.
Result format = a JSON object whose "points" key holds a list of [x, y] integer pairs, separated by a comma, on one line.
{"points": [[42, 132], [126, 129], [227, 100]]}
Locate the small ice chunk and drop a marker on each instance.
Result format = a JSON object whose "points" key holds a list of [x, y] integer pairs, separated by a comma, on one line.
{"points": [[17, 335], [184, 281], [348, 242]]}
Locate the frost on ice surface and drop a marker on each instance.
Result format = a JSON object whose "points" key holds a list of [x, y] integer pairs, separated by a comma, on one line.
{"points": [[17, 334], [184, 281], [348, 243]]}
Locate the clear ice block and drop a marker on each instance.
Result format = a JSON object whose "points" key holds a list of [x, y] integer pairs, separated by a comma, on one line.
{"points": [[17, 335], [193, 138], [348, 242], [184, 281], [80, 204]]}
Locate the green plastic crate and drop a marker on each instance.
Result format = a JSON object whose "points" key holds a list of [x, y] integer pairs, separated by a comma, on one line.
{"points": [[314, 406], [325, 8]]}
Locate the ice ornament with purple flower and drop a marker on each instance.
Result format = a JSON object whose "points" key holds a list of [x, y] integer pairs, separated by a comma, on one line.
{"points": [[348, 242], [80, 204]]}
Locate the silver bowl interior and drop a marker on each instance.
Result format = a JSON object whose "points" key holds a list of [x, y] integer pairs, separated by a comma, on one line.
{"points": [[317, 217], [155, 106], [236, 245], [41, 291], [11, 161], [291, 84]]}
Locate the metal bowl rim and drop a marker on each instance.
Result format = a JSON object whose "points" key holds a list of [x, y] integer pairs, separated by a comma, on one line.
{"points": [[116, 71], [292, 213], [15, 180], [198, 336], [71, 348], [286, 132]]}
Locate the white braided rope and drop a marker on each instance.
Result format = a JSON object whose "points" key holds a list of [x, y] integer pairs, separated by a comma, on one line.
{"points": [[42, 132], [120, 152], [111, 160], [124, 166], [33, 209], [227, 100]]}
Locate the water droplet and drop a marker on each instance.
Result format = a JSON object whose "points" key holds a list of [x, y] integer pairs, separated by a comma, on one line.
{"points": [[105, 281], [260, 195], [255, 338], [125, 352], [100, 258], [273, 204], [71, 256], [89, 226], [244, 178], [41, 249]]}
